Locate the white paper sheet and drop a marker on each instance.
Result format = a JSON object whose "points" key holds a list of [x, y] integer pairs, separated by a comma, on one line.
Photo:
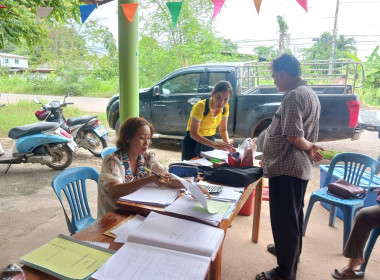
{"points": [[185, 204], [139, 262], [177, 234], [193, 188], [161, 196], [123, 231]]}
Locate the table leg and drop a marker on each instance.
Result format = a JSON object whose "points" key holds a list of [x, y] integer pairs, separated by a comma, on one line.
{"points": [[216, 267], [257, 211]]}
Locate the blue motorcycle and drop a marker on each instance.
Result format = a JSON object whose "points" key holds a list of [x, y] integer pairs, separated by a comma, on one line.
{"points": [[43, 143]]}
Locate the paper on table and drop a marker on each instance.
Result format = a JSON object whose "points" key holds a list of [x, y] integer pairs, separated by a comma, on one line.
{"points": [[184, 205], [200, 161], [139, 262], [125, 230], [153, 195], [194, 190], [217, 207], [219, 154]]}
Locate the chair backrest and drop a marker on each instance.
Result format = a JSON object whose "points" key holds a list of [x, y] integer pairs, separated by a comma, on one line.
{"points": [[355, 166], [72, 182], [107, 151]]}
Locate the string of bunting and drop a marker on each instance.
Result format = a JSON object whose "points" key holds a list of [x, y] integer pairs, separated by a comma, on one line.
{"points": [[129, 10]]}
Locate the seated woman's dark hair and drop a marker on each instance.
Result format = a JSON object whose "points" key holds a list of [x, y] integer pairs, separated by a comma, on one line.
{"points": [[222, 86], [287, 63], [128, 130]]}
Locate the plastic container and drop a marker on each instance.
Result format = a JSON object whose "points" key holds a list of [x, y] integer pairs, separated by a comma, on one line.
{"points": [[338, 174], [247, 208]]}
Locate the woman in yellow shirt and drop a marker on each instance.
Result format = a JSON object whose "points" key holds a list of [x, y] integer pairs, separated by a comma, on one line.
{"points": [[201, 127]]}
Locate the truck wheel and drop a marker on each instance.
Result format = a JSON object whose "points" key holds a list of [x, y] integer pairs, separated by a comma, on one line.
{"points": [[117, 126], [260, 141]]}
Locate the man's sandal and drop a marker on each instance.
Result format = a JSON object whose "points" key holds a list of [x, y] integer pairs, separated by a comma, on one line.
{"points": [[347, 273], [268, 275]]}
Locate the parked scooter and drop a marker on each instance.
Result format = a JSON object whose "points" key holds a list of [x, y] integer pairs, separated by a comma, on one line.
{"points": [[86, 130], [44, 143]]}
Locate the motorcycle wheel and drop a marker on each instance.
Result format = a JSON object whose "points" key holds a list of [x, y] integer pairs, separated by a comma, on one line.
{"points": [[101, 143], [62, 156]]}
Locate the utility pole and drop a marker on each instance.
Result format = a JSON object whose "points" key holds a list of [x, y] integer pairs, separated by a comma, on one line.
{"points": [[333, 40]]}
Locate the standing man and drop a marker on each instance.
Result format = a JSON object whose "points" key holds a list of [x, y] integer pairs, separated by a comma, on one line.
{"points": [[289, 152]]}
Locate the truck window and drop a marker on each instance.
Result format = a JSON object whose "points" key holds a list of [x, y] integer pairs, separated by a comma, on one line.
{"points": [[215, 77], [182, 84]]}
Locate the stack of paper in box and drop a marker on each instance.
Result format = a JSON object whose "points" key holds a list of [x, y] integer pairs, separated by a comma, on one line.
{"points": [[160, 196], [164, 247]]}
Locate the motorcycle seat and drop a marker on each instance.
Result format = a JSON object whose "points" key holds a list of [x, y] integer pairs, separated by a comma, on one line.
{"points": [[33, 128], [79, 120]]}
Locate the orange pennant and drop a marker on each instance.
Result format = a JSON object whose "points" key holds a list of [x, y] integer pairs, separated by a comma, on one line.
{"points": [[129, 10], [257, 5]]}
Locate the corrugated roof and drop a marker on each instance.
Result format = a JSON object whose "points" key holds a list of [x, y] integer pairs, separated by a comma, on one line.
{"points": [[13, 55]]}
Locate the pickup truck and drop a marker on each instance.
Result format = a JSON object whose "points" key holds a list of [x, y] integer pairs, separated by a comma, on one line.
{"points": [[167, 104]]}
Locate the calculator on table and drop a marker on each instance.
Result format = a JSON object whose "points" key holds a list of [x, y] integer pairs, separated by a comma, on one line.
{"points": [[210, 187]]}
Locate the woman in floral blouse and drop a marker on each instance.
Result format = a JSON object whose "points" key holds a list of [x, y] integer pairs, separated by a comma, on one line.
{"points": [[123, 171]]}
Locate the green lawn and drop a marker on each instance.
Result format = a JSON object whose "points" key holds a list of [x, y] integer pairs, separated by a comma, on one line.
{"points": [[22, 113]]}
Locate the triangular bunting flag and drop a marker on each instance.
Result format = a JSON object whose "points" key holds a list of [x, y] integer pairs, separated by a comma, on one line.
{"points": [[3, 7], [303, 3], [218, 4], [174, 8], [85, 11], [129, 10], [257, 5], [43, 12]]}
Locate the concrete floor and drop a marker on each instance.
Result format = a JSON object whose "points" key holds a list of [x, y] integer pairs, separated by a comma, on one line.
{"points": [[30, 216]]}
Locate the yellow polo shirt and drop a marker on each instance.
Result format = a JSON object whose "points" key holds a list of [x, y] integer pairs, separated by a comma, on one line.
{"points": [[209, 123]]}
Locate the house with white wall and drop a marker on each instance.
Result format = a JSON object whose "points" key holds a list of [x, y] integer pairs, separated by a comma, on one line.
{"points": [[14, 61]]}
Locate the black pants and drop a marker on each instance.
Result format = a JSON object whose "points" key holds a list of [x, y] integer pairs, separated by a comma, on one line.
{"points": [[286, 202], [192, 148]]}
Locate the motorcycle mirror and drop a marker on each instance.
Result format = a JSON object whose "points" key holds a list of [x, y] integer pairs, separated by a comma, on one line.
{"points": [[36, 100]]}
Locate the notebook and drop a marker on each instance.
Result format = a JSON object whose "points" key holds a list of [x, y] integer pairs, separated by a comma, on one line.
{"points": [[164, 247], [67, 258]]}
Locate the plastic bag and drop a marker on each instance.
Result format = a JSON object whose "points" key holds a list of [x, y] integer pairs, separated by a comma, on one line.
{"points": [[249, 147]]}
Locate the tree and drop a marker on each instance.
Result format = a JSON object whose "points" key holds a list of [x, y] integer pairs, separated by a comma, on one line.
{"points": [[283, 33], [266, 52], [19, 21], [322, 48], [192, 41]]}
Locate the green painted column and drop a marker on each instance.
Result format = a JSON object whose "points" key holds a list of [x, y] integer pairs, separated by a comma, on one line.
{"points": [[128, 63]]}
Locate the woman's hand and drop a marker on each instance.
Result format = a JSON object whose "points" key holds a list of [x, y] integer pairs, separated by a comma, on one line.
{"points": [[225, 147]]}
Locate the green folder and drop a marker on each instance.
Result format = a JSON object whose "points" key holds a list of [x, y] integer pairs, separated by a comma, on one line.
{"points": [[67, 258]]}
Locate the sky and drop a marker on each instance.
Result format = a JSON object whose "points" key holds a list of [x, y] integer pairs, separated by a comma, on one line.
{"points": [[239, 22]]}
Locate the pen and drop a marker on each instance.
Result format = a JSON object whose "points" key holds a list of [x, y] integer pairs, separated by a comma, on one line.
{"points": [[154, 173]]}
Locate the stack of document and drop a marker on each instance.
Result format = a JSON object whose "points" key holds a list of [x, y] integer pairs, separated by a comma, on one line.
{"points": [[159, 196], [218, 154], [227, 193], [123, 231], [188, 206], [162, 248]]}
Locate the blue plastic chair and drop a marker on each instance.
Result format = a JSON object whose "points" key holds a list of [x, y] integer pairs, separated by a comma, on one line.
{"points": [[72, 182], [107, 151], [354, 167], [368, 250]]}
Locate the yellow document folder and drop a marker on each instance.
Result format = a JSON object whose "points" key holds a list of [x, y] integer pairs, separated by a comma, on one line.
{"points": [[67, 258]]}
